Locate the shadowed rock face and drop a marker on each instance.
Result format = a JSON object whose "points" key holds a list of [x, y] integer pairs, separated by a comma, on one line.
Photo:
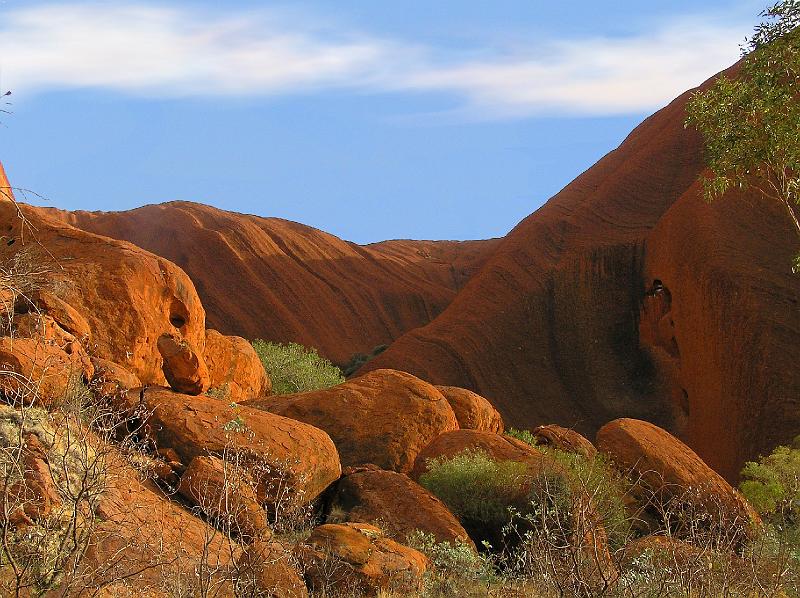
{"points": [[282, 281], [562, 324]]}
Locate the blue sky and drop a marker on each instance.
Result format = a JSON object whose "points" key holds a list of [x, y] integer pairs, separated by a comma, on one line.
{"points": [[370, 119]]}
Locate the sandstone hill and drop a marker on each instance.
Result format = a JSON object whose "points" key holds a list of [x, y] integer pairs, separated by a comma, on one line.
{"points": [[279, 280], [628, 295]]}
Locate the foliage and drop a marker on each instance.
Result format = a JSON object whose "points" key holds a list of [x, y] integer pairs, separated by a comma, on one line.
{"points": [[456, 569], [525, 436], [772, 484], [295, 368], [750, 123], [474, 486], [605, 487]]}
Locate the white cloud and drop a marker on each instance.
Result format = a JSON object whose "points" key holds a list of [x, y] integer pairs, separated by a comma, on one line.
{"points": [[166, 52]]}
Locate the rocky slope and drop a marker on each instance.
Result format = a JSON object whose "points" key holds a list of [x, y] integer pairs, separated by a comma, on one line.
{"points": [[279, 280], [627, 294]]}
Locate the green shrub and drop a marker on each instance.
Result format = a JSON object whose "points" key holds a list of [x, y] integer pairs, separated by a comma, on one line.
{"points": [[456, 569], [605, 487], [598, 480], [474, 486], [295, 368], [525, 436], [772, 485]]}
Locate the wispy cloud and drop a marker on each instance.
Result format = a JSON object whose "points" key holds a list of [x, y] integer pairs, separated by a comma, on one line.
{"points": [[172, 52]]}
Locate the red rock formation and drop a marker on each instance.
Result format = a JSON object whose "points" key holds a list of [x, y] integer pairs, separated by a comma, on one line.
{"points": [[282, 281], [396, 503], [33, 370], [356, 559], [562, 439], [236, 370], [127, 296], [473, 412], [548, 330], [183, 366], [385, 417], [664, 467], [195, 426]]}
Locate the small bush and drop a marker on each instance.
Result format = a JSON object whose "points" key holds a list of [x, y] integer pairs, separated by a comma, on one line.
{"points": [[456, 569], [606, 489], [474, 486], [524, 435], [295, 368], [772, 485]]}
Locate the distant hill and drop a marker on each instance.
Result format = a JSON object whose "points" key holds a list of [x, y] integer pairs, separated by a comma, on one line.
{"points": [[279, 280]]}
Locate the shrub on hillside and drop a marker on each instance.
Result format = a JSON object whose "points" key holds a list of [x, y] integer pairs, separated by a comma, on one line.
{"points": [[772, 484], [474, 486], [295, 368]]}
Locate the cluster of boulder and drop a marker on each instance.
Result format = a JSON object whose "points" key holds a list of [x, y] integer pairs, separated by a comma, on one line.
{"points": [[226, 449]]}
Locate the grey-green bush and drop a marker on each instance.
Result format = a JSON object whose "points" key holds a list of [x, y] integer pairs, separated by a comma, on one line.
{"points": [[295, 368]]}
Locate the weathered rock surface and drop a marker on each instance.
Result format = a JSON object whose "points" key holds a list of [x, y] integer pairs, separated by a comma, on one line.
{"points": [[196, 426], [665, 469], [184, 368], [146, 542], [110, 379], [44, 302], [127, 296], [268, 568], [36, 370], [396, 503], [384, 418], [227, 494], [473, 412], [36, 495], [563, 439], [235, 369], [283, 281], [548, 330], [354, 557]]}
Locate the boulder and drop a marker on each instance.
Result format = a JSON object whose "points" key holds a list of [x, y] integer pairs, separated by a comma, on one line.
{"points": [[127, 296], [151, 544], [235, 369], [35, 370], [668, 474], [473, 412], [184, 368], [44, 302], [385, 418], [110, 379], [227, 494], [197, 426], [268, 569], [357, 558], [564, 439], [36, 495], [396, 503]]}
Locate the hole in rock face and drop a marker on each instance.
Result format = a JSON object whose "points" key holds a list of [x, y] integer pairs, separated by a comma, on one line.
{"points": [[685, 401], [178, 314]]}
